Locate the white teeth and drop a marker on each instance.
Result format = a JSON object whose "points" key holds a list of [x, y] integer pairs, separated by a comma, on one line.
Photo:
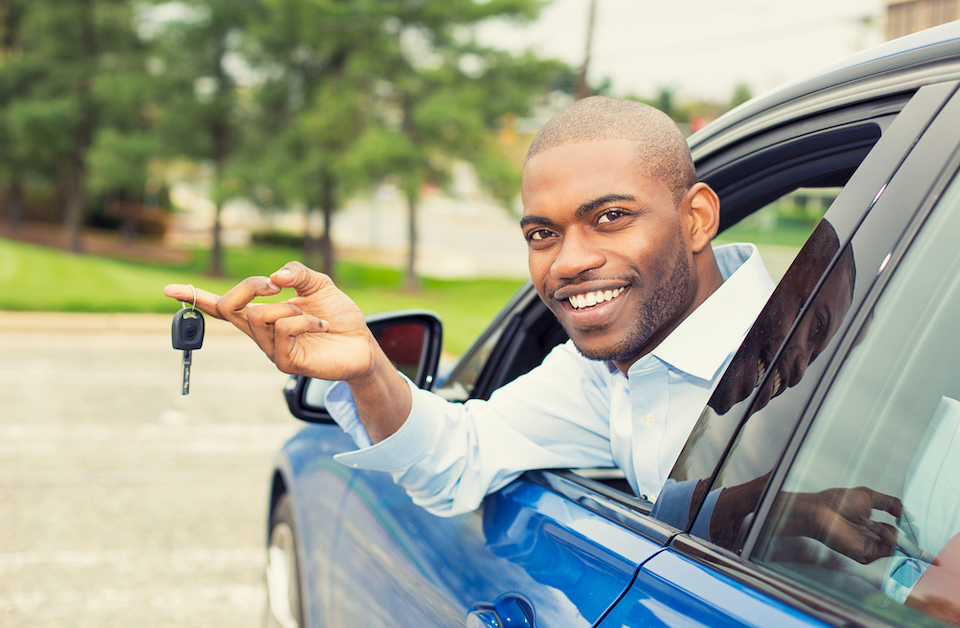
{"points": [[589, 299]]}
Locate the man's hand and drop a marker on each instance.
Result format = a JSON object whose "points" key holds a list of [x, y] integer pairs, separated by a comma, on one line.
{"points": [[840, 519], [319, 333]]}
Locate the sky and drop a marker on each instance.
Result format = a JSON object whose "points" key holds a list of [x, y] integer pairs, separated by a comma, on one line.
{"points": [[698, 48]]}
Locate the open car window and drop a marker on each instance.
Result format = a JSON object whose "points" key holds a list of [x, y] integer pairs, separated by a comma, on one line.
{"points": [[887, 436]]}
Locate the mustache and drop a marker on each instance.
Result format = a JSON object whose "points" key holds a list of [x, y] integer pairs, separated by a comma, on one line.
{"points": [[579, 280]]}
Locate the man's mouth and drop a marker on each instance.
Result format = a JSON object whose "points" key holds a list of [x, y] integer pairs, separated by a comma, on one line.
{"points": [[590, 299], [777, 380]]}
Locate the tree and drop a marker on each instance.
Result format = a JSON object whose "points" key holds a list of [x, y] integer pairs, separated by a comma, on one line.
{"points": [[440, 100], [126, 141], [202, 111], [54, 55], [356, 93], [741, 94], [311, 105], [13, 82]]}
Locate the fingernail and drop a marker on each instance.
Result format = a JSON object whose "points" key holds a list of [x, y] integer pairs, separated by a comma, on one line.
{"points": [[284, 272]]}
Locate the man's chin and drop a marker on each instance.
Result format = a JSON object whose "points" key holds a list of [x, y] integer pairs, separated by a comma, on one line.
{"points": [[602, 352]]}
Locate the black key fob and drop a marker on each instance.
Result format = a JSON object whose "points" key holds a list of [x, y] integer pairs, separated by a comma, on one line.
{"points": [[187, 330]]}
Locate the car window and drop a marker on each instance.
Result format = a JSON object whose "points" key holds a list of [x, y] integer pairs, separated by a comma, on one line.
{"points": [[886, 438], [462, 380], [780, 228]]}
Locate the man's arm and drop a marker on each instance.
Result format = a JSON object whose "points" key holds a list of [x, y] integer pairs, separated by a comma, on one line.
{"points": [[319, 333]]}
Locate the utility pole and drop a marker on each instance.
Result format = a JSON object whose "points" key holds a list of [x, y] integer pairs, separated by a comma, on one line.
{"points": [[583, 90]]}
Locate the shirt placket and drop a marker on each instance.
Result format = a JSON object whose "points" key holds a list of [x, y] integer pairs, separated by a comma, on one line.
{"points": [[649, 404]]}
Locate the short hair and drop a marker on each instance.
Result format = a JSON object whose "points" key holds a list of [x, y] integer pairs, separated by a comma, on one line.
{"points": [[662, 151]]}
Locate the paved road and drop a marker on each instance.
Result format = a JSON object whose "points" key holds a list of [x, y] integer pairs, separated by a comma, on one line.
{"points": [[123, 503]]}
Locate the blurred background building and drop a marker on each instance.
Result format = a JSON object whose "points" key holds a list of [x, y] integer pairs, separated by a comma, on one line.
{"points": [[909, 16]]}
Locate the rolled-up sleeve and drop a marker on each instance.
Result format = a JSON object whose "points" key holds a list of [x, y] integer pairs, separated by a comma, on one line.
{"points": [[448, 455]]}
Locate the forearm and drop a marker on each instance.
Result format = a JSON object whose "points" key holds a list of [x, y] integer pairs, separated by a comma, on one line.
{"points": [[382, 398]]}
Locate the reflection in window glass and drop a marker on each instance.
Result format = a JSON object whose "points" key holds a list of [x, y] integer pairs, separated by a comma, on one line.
{"points": [[780, 228], [874, 494]]}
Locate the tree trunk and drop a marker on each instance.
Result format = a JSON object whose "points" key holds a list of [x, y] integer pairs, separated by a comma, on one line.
{"points": [[411, 282], [74, 214], [312, 250], [15, 204], [82, 136], [328, 205], [216, 251], [128, 211], [221, 137]]}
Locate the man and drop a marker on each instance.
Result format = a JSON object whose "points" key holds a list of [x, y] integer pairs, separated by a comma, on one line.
{"points": [[619, 232]]}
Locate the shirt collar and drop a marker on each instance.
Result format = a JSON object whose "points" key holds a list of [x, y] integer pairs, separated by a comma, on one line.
{"points": [[705, 340]]}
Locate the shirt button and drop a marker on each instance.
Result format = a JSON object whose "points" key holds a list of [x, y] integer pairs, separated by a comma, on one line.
{"points": [[650, 419]]}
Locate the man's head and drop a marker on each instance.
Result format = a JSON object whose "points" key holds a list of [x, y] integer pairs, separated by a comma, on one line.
{"points": [[662, 152], [617, 226]]}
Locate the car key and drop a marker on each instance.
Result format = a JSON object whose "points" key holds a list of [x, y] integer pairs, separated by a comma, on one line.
{"points": [[187, 336]]}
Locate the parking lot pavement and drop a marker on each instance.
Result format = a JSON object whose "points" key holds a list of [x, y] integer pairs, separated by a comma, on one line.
{"points": [[122, 502]]}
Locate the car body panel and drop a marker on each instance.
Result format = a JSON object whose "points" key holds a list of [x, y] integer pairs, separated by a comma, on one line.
{"points": [[569, 563], [305, 469], [674, 590]]}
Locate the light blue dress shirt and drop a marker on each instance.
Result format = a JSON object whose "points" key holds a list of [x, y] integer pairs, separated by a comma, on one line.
{"points": [[570, 412]]}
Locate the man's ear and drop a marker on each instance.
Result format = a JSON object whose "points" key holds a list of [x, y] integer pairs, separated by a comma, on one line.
{"points": [[703, 215]]}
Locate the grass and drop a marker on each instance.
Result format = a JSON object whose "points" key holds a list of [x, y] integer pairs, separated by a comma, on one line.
{"points": [[36, 278], [792, 236]]}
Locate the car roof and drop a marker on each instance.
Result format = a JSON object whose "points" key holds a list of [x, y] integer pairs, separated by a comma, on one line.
{"points": [[898, 66]]}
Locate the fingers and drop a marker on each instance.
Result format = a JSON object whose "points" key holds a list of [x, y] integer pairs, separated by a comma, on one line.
{"points": [[262, 321], [289, 354], [233, 305], [886, 503], [302, 279], [206, 301]]}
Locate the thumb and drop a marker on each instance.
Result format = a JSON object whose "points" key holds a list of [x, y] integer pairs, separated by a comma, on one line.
{"points": [[302, 279]]}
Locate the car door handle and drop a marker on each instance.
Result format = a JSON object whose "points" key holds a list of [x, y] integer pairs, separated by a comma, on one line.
{"points": [[510, 611]]}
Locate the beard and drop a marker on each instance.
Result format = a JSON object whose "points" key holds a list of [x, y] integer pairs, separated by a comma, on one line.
{"points": [[659, 310]]}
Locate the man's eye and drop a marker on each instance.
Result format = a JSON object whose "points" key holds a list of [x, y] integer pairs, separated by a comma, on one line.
{"points": [[538, 235], [609, 216]]}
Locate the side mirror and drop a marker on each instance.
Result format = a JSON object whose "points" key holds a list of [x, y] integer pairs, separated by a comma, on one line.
{"points": [[410, 338]]}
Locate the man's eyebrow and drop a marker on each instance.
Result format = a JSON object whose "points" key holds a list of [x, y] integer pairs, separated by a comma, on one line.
{"points": [[585, 208], [534, 220], [589, 206]]}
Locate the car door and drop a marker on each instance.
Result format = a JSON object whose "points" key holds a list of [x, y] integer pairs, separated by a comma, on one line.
{"points": [[556, 548], [772, 495]]}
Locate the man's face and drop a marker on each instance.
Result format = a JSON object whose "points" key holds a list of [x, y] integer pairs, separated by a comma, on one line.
{"points": [[607, 252], [818, 326]]}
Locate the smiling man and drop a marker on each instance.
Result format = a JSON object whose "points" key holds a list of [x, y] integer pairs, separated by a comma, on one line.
{"points": [[619, 235]]}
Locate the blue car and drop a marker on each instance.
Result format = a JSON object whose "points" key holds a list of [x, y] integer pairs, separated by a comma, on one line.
{"points": [[836, 424]]}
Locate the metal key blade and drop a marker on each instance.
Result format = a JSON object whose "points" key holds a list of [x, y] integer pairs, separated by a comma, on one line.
{"points": [[187, 361]]}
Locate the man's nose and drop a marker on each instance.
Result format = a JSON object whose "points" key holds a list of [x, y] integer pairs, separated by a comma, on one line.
{"points": [[576, 255], [798, 361]]}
